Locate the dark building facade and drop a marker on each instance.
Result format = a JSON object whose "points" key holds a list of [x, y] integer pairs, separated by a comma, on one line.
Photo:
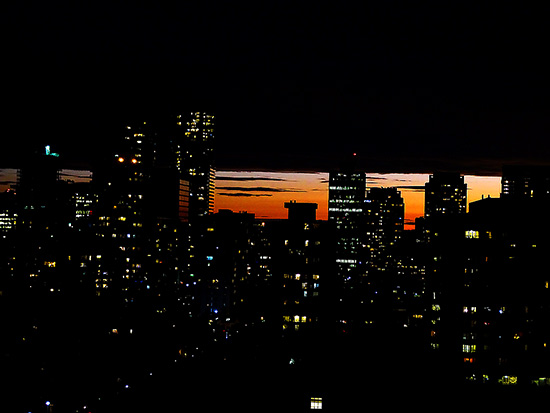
{"points": [[521, 182], [385, 216], [194, 149], [445, 194]]}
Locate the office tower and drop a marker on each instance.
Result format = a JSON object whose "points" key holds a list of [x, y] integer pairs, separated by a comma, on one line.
{"points": [[522, 182], [346, 200], [385, 215], [346, 197], [8, 212], [43, 210], [8, 223], [303, 264], [494, 302], [83, 201], [38, 188], [194, 147], [123, 185], [301, 212], [445, 194]]}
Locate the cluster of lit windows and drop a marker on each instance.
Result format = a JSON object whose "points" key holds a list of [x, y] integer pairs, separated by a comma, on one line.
{"points": [[316, 403], [7, 221], [469, 348], [508, 380]]}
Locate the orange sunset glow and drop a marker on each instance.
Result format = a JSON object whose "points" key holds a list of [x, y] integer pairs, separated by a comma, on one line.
{"points": [[264, 193]]}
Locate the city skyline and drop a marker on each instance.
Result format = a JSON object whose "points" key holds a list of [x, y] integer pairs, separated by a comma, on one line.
{"points": [[264, 193], [291, 205]]}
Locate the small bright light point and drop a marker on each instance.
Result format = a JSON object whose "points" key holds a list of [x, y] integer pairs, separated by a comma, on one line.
{"points": [[47, 403], [121, 159], [134, 160]]}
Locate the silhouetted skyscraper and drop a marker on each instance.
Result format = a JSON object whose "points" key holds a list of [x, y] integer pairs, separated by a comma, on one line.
{"points": [[346, 203], [385, 213], [124, 189], [304, 266], [445, 194], [346, 197], [194, 145], [525, 182]]}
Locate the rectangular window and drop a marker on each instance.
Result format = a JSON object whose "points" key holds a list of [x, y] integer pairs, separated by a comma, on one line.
{"points": [[472, 234], [468, 348], [316, 403]]}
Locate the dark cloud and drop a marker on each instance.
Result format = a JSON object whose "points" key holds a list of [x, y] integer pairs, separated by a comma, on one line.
{"points": [[257, 189], [409, 221], [241, 194], [248, 179], [413, 188], [83, 175]]}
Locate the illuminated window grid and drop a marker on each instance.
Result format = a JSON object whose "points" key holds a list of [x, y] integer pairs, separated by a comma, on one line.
{"points": [[316, 403]]}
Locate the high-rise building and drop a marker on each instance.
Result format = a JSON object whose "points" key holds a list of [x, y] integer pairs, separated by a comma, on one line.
{"points": [[194, 146], [123, 188], [303, 264], [445, 194], [346, 196], [8, 212], [525, 182], [346, 204], [385, 215], [43, 212]]}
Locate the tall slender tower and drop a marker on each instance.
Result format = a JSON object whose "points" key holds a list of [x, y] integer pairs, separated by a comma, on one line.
{"points": [[195, 160], [385, 211], [123, 186], [346, 213]]}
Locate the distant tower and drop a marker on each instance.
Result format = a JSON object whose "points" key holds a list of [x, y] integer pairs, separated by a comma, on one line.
{"points": [[195, 160], [301, 212], [385, 211], [445, 194], [346, 203], [42, 220], [526, 182], [38, 181]]}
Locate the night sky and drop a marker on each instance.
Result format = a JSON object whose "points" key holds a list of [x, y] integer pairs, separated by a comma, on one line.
{"points": [[409, 87]]}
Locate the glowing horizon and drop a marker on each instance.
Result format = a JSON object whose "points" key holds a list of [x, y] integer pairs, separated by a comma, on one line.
{"points": [[264, 193]]}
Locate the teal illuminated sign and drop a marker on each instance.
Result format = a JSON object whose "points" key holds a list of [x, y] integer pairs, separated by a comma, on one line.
{"points": [[49, 153]]}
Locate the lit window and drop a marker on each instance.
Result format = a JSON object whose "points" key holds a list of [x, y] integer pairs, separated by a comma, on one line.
{"points": [[316, 403], [472, 234], [468, 348], [508, 380]]}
